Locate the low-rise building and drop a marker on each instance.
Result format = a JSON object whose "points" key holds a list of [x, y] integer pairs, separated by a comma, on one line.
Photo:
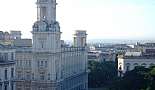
{"points": [[130, 60], [101, 56]]}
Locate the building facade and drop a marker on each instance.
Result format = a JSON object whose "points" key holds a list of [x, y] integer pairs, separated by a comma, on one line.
{"points": [[7, 68], [130, 60], [48, 65]]}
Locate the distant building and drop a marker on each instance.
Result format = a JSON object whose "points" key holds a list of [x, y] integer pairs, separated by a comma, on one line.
{"points": [[101, 56], [94, 56], [130, 60]]}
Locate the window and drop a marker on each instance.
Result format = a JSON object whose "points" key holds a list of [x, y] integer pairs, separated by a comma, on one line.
{"points": [[42, 77], [19, 75], [5, 56], [26, 63], [82, 42], [5, 87], [12, 56], [48, 76], [33, 76], [127, 66], [28, 76], [120, 67], [43, 12], [12, 72], [42, 45], [45, 63], [42, 63], [56, 75], [29, 63], [12, 87], [5, 72]]}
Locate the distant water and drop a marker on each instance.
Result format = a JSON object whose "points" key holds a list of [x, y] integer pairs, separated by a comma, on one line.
{"points": [[119, 41], [113, 41]]}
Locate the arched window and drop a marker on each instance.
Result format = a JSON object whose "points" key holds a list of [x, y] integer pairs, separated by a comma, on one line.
{"points": [[144, 64], [135, 64], [127, 66], [152, 64], [120, 68]]}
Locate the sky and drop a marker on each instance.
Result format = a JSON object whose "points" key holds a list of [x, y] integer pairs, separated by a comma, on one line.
{"points": [[102, 19]]}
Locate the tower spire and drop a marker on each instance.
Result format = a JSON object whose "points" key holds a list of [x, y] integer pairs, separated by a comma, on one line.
{"points": [[46, 10], [46, 16]]}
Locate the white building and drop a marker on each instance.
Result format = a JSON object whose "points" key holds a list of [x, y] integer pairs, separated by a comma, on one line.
{"points": [[130, 60], [7, 68], [48, 65]]}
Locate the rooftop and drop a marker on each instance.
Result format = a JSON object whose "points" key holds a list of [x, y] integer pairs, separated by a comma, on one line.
{"points": [[144, 56]]}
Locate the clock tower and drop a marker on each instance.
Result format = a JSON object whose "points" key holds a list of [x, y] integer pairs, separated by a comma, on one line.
{"points": [[46, 30], [46, 45]]}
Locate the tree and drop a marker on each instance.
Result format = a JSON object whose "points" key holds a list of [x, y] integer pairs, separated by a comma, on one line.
{"points": [[104, 74], [140, 78], [101, 73]]}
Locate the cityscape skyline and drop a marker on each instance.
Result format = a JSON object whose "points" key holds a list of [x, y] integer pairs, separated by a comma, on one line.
{"points": [[116, 52], [103, 19]]}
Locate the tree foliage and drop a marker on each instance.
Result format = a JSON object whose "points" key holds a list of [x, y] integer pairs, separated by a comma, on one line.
{"points": [[104, 74], [101, 73], [140, 78]]}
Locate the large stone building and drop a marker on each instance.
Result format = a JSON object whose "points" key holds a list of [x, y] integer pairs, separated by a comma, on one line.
{"points": [[48, 65], [7, 68]]}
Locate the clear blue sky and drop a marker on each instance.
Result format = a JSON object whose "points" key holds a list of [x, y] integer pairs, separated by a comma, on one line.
{"points": [[103, 19]]}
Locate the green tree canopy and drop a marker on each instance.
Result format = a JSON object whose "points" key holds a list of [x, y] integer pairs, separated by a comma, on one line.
{"points": [[101, 73]]}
